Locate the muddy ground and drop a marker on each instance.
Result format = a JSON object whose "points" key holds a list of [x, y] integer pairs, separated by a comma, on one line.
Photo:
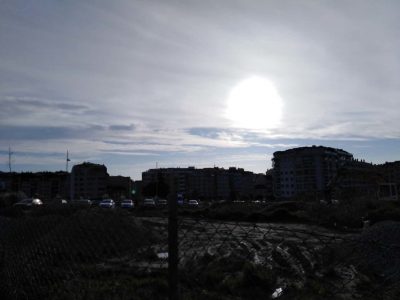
{"points": [[97, 254]]}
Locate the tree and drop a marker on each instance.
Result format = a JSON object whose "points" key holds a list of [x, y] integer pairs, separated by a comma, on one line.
{"points": [[160, 189]]}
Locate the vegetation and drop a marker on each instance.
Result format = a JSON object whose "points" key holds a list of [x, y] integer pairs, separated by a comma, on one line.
{"points": [[7, 199], [227, 278], [343, 215]]}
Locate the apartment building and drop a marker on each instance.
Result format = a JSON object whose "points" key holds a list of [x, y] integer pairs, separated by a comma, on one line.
{"points": [[176, 178], [207, 183], [306, 170], [119, 187], [45, 185], [89, 180], [390, 189]]}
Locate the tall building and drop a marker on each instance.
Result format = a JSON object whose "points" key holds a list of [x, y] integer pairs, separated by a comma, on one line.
{"points": [[89, 180], [306, 170]]}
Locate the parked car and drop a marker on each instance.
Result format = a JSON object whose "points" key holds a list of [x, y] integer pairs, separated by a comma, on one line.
{"points": [[28, 203], [193, 203], [82, 202], [127, 203], [180, 199], [59, 201], [107, 203], [149, 202], [162, 202]]}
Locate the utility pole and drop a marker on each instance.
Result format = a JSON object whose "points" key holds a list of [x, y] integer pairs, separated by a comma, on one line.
{"points": [[9, 158]]}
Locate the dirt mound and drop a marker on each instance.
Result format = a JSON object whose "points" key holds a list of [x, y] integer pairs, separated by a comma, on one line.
{"points": [[378, 248]]}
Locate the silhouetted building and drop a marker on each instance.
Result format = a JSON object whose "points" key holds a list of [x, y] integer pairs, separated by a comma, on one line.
{"points": [[390, 171], [89, 180], [176, 178], [211, 184], [355, 179], [86, 180], [306, 171], [262, 186], [207, 183], [45, 185], [119, 187]]}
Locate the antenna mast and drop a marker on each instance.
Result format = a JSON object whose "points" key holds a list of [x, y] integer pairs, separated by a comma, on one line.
{"points": [[9, 158], [67, 161], [157, 181]]}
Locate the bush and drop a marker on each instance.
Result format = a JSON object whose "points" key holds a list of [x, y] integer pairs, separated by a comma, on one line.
{"points": [[8, 199], [229, 277], [386, 213]]}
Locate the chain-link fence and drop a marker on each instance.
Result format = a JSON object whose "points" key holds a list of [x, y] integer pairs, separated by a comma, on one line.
{"points": [[92, 253], [231, 260]]}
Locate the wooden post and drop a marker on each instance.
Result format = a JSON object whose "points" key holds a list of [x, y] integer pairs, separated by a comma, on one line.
{"points": [[173, 254]]}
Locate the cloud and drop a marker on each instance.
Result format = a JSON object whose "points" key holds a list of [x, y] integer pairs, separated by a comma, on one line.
{"points": [[15, 106], [48, 133], [129, 127], [178, 73], [137, 77], [28, 103], [130, 152]]}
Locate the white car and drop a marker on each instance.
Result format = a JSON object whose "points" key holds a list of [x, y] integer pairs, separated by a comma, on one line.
{"points": [[107, 203], [149, 202], [193, 203], [27, 203], [162, 202], [127, 203], [82, 202]]}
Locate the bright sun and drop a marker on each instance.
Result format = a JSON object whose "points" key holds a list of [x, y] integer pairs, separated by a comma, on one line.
{"points": [[254, 104]]}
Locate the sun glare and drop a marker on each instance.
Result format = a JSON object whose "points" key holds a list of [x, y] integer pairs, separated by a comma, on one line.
{"points": [[254, 104]]}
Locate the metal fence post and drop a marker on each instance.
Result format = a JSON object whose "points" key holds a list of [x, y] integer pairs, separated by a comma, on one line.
{"points": [[173, 258]]}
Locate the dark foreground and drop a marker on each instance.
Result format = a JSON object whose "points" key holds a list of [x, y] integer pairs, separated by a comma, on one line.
{"points": [[101, 254]]}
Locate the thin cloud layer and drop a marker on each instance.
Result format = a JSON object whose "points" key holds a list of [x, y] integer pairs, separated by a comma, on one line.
{"points": [[152, 77]]}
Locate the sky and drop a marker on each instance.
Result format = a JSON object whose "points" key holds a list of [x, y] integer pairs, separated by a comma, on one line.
{"points": [[138, 84]]}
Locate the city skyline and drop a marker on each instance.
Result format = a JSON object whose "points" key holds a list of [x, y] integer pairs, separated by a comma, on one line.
{"points": [[130, 84], [69, 164]]}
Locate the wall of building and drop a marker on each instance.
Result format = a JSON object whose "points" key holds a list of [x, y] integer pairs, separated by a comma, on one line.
{"points": [[89, 181], [206, 183], [306, 170]]}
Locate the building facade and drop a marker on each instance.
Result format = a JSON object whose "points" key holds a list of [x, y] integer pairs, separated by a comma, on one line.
{"points": [[44, 185], [208, 183], [119, 187], [306, 171], [89, 181], [390, 189]]}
